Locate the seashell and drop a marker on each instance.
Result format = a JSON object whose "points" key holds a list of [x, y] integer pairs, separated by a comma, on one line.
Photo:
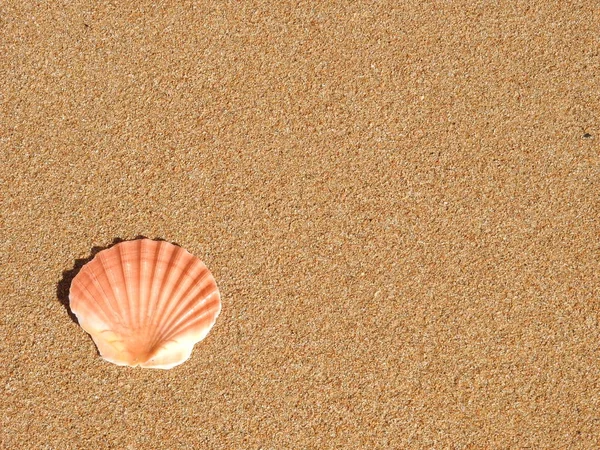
{"points": [[145, 303]]}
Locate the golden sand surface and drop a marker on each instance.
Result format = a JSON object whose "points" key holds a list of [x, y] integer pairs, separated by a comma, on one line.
{"points": [[399, 202]]}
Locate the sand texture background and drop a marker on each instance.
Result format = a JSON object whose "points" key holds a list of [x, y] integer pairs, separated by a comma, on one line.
{"points": [[399, 202]]}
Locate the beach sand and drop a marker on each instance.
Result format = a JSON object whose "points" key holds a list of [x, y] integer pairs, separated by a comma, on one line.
{"points": [[399, 202]]}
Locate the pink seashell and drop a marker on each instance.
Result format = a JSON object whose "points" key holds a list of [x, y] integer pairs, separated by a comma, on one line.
{"points": [[145, 303]]}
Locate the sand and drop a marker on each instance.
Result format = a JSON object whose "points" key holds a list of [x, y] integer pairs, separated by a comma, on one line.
{"points": [[399, 202]]}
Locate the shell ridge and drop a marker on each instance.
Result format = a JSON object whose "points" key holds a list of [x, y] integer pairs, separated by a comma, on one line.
{"points": [[112, 289], [100, 306], [164, 294], [154, 291], [97, 283], [174, 287], [183, 298], [127, 300], [140, 299], [150, 281], [197, 298], [193, 322]]}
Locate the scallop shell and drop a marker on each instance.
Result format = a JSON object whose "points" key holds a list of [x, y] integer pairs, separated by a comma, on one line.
{"points": [[145, 303]]}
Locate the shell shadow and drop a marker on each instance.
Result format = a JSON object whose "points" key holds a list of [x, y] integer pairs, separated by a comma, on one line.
{"points": [[64, 285]]}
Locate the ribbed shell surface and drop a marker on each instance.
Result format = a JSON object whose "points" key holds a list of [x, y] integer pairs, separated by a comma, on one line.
{"points": [[145, 303]]}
